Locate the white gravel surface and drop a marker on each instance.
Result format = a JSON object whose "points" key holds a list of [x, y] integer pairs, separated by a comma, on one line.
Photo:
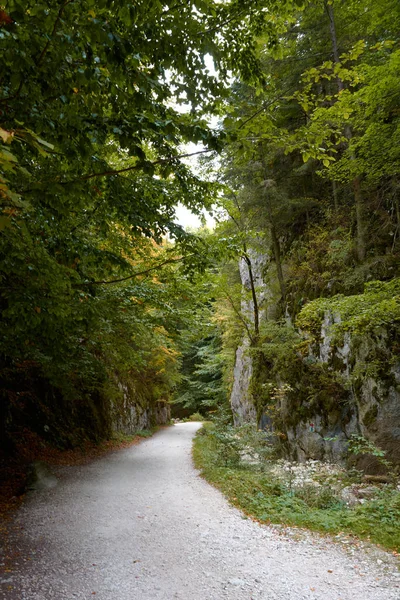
{"points": [[140, 524]]}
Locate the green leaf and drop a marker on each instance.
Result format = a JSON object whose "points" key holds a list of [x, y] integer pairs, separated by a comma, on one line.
{"points": [[4, 223]]}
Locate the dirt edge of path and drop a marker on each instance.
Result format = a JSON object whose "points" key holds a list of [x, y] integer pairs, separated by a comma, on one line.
{"points": [[31, 447]]}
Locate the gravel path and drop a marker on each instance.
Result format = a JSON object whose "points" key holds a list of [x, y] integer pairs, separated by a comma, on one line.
{"points": [[140, 524]]}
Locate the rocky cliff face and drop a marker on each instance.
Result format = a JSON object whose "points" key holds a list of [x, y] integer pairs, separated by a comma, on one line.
{"points": [[369, 405], [333, 392], [132, 411], [241, 399], [64, 422], [242, 404]]}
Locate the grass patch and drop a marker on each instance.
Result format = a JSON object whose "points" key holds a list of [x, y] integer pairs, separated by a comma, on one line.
{"points": [[266, 499]]}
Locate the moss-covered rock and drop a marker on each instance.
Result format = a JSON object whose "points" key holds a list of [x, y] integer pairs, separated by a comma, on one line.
{"points": [[336, 377]]}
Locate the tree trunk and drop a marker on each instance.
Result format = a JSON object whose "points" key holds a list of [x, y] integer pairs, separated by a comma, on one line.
{"points": [[332, 29], [246, 258], [256, 310], [396, 231], [335, 196]]}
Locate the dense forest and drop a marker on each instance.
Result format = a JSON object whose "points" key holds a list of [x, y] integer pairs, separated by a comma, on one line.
{"points": [[287, 313]]}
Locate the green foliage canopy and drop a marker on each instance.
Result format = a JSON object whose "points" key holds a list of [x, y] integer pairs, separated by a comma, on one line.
{"points": [[96, 101]]}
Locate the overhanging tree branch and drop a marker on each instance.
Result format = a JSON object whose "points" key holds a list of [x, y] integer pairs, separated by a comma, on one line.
{"points": [[112, 172], [219, 26], [145, 272], [138, 166]]}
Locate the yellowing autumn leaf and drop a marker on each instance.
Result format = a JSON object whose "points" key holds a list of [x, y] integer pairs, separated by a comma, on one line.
{"points": [[6, 136]]}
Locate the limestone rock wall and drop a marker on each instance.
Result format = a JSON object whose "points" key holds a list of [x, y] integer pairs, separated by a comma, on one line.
{"points": [[241, 400], [369, 406], [132, 411], [242, 405], [359, 388]]}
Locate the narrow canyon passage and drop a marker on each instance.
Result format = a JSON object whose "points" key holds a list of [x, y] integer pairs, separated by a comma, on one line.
{"points": [[140, 524]]}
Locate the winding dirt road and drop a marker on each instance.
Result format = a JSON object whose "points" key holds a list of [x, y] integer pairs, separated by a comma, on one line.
{"points": [[140, 524]]}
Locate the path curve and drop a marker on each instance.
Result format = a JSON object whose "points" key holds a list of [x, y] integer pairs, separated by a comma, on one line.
{"points": [[140, 524]]}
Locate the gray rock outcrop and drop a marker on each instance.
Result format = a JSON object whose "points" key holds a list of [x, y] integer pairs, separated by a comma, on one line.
{"points": [[241, 399], [316, 426], [370, 407], [132, 411]]}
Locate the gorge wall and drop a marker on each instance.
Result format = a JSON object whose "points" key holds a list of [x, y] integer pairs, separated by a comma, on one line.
{"points": [[345, 392], [135, 410], [322, 388], [241, 400], [30, 404]]}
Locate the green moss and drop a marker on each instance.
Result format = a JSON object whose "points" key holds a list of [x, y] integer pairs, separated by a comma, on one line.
{"points": [[378, 307]]}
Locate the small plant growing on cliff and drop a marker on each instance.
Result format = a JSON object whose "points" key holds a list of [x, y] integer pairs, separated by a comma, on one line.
{"points": [[358, 444], [279, 392]]}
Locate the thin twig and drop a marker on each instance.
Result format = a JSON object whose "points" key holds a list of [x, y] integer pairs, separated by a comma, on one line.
{"points": [[218, 27], [112, 281], [171, 8], [265, 106], [240, 316], [58, 19], [132, 168]]}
